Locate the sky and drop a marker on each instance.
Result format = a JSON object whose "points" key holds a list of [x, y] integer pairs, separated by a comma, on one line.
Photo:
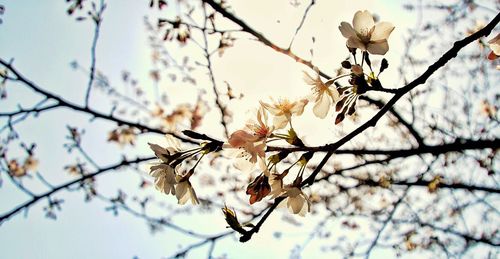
{"points": [[43, 41]]}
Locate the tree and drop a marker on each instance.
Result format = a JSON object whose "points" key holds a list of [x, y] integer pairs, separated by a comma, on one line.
{"points": [[383, 157]]}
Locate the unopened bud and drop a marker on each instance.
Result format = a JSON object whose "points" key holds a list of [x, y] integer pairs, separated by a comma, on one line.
{"points": [[346, 64]]}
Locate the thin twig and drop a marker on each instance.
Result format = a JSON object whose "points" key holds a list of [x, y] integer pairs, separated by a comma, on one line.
{"points": [[97, 21], [36, 198], [385, 223], [219, 104], [301, 22], [87, 110]]}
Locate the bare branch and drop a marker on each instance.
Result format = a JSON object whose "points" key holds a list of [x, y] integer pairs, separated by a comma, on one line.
{"points": [[36, 198]]}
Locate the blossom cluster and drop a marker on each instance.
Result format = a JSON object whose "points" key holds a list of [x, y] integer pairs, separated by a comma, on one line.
{"points": [[19, 170], [273, 122], [363, 35], [170, 173]]}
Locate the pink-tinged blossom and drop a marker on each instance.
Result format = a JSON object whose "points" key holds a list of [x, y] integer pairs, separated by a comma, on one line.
{"points": [[260, 128], [252, 140], [241, 138]]}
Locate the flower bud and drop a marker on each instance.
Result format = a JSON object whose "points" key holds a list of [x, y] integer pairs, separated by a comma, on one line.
{"points": [[346, 64]]}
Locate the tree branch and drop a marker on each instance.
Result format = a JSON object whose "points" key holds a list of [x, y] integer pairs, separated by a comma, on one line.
{"points": [[36, 198], [459, 145], [385, 223], [301, 22], [97, 20], [218, 103], [87, 110]]}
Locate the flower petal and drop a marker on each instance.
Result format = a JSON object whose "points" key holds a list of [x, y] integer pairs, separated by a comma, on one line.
{"points": [[294, 191], [271, 108], [363, 23], [495, 40], [310, 80], [156, 167], [280, 121], [170, 176], [157, 149], [322, 106], [168, 188], [155, 173], [304, 210], [243, 164], [173, 142], [240, 138], [181, 192], [295, 204], [347, 30], [182, 200], [382, 31], [334, 94], [261, 113], [355, 42], [378, 48], [276, 186], [192, 195], [298, 108], [263, 167], [495, 44]]}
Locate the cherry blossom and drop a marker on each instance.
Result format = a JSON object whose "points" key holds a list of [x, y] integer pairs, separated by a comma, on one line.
{"points": [[260, 128], [365, 35], [184, 191], [276, 182], [164, 178], [252, 140], [283, 109], [324, 95], [296, 201]]}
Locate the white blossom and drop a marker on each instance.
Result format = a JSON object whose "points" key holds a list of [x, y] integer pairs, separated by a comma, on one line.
{"points": [[365, 35], [162, 153], [296, 201], [283, 110], [276, 182], [184, 191], [164, 178], [324, 96]]}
